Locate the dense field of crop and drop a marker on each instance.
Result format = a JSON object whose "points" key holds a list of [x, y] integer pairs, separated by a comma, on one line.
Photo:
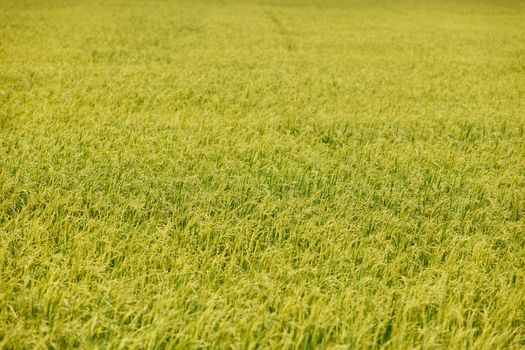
{"points": [[286, 174]]}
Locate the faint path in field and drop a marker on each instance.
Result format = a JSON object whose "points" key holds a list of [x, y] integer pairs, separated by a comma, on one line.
{"points": [[288, 42]]}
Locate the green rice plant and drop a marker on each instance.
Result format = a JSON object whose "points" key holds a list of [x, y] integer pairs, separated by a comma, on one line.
{"points": [[282, 174]]}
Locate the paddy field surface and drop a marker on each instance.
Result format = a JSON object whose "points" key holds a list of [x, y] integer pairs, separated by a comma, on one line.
{"points": [[274, 174]]}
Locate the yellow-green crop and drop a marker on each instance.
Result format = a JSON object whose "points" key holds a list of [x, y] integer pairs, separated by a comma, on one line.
{"points": [[280, 174]]}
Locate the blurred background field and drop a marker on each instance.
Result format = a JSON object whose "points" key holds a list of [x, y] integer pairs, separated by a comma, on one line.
{"points": [[262, 174]]}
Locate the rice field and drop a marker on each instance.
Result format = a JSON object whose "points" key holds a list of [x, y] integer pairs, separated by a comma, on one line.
{"points": [[274, 174]]}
